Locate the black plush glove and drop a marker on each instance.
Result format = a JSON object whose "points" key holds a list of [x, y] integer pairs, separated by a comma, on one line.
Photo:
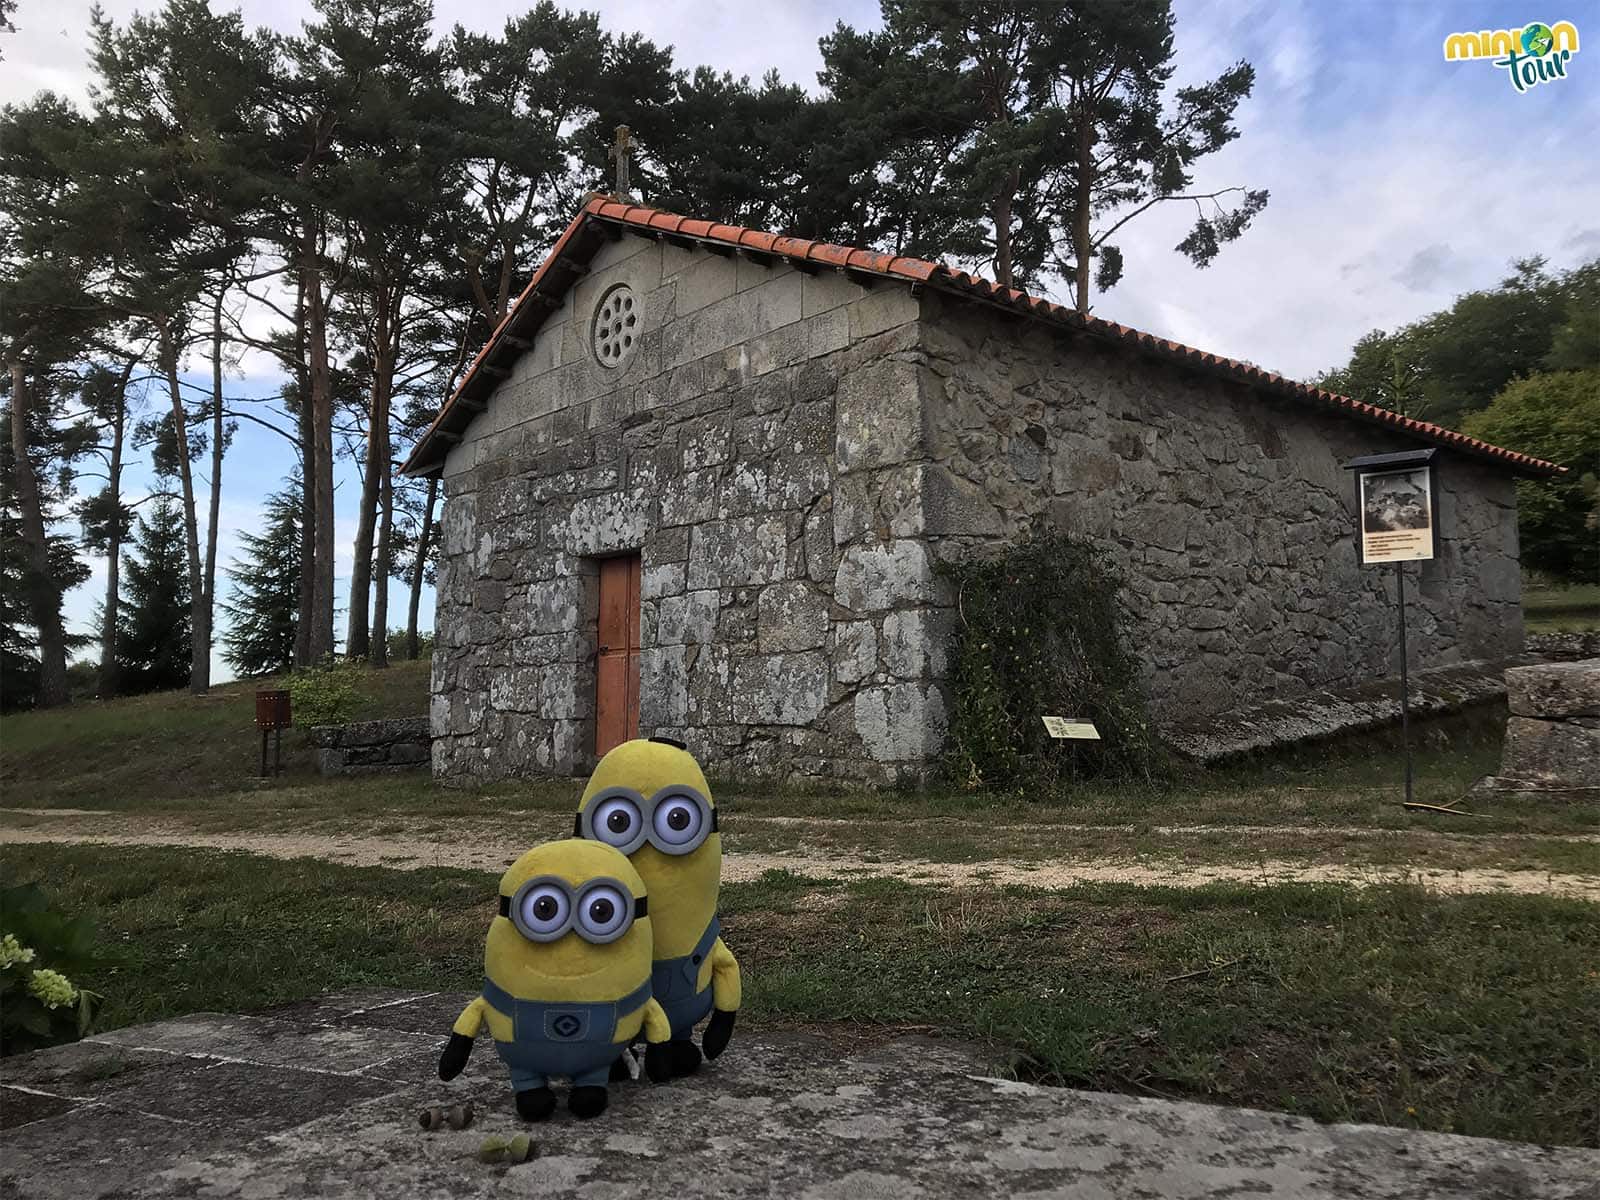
{"points": [[454, 1059], [658, 1062], [718, 1030]]}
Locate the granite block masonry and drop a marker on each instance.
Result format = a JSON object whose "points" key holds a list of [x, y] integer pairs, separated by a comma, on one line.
{"points": [[794, 454], [372, 747], [1553, 732]]}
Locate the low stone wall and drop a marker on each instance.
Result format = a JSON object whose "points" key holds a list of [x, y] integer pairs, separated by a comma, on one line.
{"points": [[370, 747], [1564, 647], [1553, 734]]}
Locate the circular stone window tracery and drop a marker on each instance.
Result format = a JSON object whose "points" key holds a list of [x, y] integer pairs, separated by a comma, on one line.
{"points": [[616, 326]]}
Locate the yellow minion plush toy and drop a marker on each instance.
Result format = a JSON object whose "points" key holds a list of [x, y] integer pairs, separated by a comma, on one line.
{"points": [[649, 799], [566, 978]]}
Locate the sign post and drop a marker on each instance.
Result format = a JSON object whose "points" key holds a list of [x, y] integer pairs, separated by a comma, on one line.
{"points": [[1397, 502]]}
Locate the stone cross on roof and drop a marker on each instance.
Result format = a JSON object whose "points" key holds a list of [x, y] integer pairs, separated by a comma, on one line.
{"points": [[619, 155]]}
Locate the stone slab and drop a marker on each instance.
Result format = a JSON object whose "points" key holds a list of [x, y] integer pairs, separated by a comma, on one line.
{"points": [[782, 1114], [1555, 691], [1334, 712], [1555, 754]]}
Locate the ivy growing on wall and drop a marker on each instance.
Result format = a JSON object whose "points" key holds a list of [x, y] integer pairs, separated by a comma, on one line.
{"points": [[1042, 631]]}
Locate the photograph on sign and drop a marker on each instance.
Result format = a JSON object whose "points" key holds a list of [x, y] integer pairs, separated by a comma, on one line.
{"points": [[1397, 515]]}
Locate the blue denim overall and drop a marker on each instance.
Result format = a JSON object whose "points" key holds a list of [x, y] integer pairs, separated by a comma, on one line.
{"points": [[575, 1040], [674, 980]]}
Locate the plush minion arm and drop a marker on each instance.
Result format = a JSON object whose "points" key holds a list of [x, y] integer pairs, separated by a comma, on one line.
{"points": [[725, 987], [656, 1026], [472, 1018], [459, 1048], [726, 993], [657, 1033]]}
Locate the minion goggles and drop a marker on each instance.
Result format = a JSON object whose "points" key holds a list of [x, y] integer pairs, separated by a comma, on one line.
{"points": [[546, 908], [676, 820]]}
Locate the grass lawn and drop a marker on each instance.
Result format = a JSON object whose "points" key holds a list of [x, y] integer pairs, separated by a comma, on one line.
{"points": [[1570, 609], [189, 762], [175, 755], [1476, 1015]]}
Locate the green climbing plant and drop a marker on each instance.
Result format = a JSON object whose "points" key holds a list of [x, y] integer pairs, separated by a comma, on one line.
{"points": [[1042, 632]]}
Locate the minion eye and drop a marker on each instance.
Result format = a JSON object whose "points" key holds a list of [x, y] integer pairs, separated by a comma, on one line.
{"points": [[678, 821], [544, 911], [617, 821], [604, 914]]}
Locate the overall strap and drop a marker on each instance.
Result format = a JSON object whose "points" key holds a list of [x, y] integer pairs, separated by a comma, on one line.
{"points": [[508, 1004], [634, 999], [708, 939]]}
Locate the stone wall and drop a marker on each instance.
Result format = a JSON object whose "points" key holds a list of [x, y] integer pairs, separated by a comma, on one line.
{"points": [[779, 628], [793, 454], [1553, 733], [1229, 513], [369, 747]]}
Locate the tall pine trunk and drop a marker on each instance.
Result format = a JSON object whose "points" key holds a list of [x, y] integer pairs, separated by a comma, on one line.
{"points": [[357, 641], [389, 355], [321, 444], [199, 647], [305, 608], [1084, 213], [1002, 237], [215, 510], [419, 570], [44, 595], [378, 656], [108, 614]]}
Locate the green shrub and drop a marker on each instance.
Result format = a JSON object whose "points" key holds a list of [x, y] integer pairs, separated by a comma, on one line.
{"points": [[1041, 632], [397, 645], [329, 694], [44, 956]]}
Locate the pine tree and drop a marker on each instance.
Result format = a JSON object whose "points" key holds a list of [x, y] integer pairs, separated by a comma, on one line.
{"points": [[153, 647], [20, 678], [264, 607], [1028, 134]]}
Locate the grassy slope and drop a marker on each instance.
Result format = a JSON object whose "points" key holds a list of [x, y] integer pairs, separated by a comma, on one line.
{"points": [[1473, 1015], [167, 745]]}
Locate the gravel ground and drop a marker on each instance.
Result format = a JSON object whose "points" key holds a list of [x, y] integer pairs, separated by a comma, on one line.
{"points": [[478, 849]]}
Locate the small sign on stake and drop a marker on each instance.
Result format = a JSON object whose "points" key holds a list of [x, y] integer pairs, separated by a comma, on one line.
{"points": [[1061, 727], [1397, 506]]}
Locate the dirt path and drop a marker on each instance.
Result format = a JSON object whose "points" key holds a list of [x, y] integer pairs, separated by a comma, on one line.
{"points": [[473, 850]]}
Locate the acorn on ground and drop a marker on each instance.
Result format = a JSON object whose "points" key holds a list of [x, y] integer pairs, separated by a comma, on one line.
{"points": [[456, 1116]]}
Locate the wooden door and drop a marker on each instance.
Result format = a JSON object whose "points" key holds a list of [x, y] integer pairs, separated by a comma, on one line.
{"points": [[617, 674]]}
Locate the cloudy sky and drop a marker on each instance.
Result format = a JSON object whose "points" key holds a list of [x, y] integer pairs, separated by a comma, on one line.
{"points": [[1398, 180]]}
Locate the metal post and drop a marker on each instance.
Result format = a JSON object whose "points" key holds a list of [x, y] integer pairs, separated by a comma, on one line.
{"points": [[1405, 690], [277, 751], [263, 754]]}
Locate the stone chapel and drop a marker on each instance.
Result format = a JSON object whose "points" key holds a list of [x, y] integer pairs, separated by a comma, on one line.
{"points": [[700, 479]]}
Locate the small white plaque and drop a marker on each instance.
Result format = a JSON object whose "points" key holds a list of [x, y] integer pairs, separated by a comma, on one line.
{"points": [[1061, 727]]}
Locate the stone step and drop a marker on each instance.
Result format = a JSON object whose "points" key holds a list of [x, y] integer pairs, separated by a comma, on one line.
{"points": [[1315, 716]]}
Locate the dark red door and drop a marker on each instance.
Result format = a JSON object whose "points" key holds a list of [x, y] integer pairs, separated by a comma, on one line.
{"points": [[617, 677]]}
